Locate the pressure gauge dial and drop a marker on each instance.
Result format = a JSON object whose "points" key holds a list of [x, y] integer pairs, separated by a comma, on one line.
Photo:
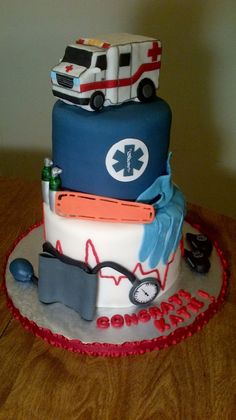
{"points": [[144, 291]]}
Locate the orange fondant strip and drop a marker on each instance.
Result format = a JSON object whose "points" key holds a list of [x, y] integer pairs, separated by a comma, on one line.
{"points": [[93, 207]]}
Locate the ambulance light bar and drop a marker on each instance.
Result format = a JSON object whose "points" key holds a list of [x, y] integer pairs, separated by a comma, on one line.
{"points": [[93, 42]]}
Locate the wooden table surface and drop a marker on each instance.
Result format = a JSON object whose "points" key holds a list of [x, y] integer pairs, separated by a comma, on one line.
{"points": [[195, 379]]}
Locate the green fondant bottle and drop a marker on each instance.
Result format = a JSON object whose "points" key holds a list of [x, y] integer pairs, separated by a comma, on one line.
{"points": [[45, 179], [47, 170], [54, 185]]}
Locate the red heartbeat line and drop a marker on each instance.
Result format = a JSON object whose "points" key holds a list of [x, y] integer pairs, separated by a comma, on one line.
{"points": [[90, 251]]}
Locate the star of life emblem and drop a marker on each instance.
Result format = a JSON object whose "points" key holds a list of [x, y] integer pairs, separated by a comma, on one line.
{"points": [[127, 159]]}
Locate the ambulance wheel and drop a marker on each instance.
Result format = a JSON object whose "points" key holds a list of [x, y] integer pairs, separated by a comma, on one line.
{"points": [[146, 90], [97, 100]]}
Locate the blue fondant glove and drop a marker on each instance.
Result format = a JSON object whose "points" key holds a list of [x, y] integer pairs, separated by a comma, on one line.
{"points": [[161, 191], [162, 236]]}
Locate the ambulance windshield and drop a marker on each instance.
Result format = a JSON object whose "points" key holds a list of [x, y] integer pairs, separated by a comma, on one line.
{"points": [[78, 56]]}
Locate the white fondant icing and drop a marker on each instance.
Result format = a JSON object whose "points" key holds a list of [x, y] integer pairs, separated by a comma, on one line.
{"points": [[95, 242]]}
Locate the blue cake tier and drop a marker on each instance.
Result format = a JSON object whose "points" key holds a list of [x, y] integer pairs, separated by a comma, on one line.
{"points": [[118, 152]]}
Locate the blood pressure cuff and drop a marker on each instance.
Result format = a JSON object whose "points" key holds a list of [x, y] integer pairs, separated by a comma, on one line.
{"points": [[67, 284]]}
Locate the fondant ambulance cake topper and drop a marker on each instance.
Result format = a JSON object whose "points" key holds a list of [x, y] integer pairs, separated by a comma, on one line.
{"points": [[108, 71]]}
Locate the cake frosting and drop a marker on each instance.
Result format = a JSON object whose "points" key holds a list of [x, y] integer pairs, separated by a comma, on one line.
{"points": [[112, 215], [94, 242], [92, 148]]}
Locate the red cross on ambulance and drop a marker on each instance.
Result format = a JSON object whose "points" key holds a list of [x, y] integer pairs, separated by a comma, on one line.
{"points": [[69, 68], [155, 51]]}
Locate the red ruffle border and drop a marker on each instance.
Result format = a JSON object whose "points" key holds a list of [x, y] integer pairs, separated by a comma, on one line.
{"points": [[126, 348]]}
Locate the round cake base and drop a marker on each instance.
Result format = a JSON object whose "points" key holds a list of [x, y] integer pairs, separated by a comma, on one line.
{"points": [[180, 312]]}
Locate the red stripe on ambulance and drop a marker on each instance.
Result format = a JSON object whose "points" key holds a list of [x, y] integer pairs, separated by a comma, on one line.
{"points": [[108, 84]]}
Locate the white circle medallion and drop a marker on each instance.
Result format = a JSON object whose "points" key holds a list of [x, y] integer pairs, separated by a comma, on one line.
{"points": [[127, 159]]}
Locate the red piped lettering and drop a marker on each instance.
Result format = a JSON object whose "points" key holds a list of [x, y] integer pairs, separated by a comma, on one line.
{"points": [[103, 322], [117, 321], [131, 319], [161, 325], [186, 295], [144, 316], [205, 295], [183, 311], [166, 307], [155, 312], [175, 299], [175, 320], [195, 305]]}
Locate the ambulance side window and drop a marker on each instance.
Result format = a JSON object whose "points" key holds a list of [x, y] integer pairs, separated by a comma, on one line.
{"points": [[102, 62], [124, 59]]}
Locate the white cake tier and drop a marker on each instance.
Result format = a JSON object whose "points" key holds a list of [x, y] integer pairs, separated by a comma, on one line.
{"points": [[95, 242]]}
